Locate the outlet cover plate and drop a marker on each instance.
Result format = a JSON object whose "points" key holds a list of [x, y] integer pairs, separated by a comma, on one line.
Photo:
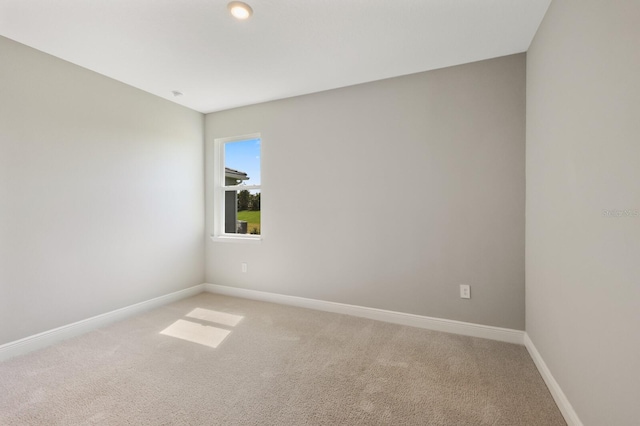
{"points": [[465, 291]]}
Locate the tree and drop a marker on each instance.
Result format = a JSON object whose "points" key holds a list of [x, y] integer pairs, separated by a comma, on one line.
{"points": [[255, 202], [244, 197]]}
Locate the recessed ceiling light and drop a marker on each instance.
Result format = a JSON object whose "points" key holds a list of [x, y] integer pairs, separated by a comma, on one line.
{"points": [[239, 9]]}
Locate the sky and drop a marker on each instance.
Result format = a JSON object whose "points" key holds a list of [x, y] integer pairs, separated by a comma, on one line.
{"points": [[245, 157]]}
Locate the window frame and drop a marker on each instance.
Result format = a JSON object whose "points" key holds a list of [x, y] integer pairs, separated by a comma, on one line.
{"points": [[219, 190]]}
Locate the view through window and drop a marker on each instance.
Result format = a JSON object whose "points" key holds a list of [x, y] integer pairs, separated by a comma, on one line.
{"points": [[242, 194]]}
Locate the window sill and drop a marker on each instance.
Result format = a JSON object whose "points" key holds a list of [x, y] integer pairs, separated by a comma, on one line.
{"points": [[236, 239]]}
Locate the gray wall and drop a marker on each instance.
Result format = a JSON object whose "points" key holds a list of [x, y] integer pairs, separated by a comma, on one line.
{"points": [[583, 157], [442, 150], [101, 194]]}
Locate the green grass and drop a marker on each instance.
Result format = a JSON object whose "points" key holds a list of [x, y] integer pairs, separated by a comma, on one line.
{"points": [[252, 218]]}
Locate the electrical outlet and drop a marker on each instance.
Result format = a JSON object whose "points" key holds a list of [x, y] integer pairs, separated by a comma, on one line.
{"points": [[465, 291], [244, 267]]}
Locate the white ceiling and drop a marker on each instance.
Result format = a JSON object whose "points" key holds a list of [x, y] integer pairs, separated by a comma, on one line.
{"points": [[287, 48]]}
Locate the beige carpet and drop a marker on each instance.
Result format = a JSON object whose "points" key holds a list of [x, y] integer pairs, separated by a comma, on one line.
{"points": [[273, 365]]}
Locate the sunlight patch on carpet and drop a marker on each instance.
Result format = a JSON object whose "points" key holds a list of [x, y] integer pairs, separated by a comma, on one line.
{"points": [[215, 316], [196, 333]]}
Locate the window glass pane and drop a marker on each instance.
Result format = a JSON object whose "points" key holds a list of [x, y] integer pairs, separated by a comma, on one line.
{"points": [[242, 212], [242, 162]]}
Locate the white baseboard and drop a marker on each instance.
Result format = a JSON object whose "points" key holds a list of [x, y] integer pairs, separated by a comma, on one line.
{"points": [[437, 324], [569, 414], [41, 340]]}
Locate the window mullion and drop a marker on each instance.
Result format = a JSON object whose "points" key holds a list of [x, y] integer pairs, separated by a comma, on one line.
{"points": [[241, 187]]}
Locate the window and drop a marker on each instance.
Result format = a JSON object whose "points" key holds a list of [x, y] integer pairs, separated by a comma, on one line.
{"points": [[237, 194]]}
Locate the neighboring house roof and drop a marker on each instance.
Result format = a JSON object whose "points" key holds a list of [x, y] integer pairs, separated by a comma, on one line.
{"points": [[235, 174]]}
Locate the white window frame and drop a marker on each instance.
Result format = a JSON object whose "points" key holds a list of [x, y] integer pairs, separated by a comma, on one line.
{"points": [[219, 189]]}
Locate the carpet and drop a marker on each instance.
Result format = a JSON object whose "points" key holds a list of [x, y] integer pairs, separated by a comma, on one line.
{"points": [[244, 362]]}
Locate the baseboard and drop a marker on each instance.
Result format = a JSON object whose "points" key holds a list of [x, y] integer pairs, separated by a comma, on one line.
{"points": [[437, 324], [41, 340], [569, 414]]}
